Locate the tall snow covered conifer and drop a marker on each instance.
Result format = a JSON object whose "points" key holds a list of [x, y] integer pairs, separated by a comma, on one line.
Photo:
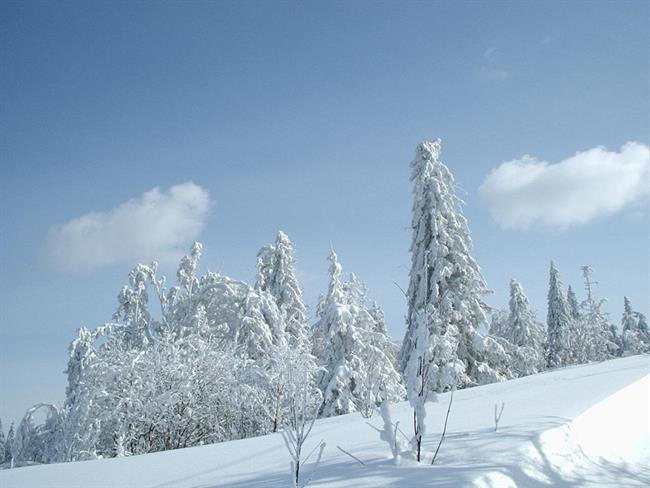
{"points": [[445, 281], [276, 274], [558, 321]]}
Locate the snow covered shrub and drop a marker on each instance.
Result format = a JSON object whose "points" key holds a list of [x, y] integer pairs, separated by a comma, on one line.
{"points": [[216, 365]]}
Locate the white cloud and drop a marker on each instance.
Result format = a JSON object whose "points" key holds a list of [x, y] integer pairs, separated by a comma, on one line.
{"points": [[157, 225], [597, 182]]}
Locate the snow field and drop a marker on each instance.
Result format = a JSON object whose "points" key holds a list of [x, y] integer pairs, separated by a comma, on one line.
{"points": [[583, 426]]}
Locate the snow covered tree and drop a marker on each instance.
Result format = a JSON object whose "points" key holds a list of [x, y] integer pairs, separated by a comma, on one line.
{"points": [[642, 332], [378, 316], [629, 319], [499, 323], [523, 335], [276, 372], [572, 304], [81, 353], [235, 313], [559, 324], [445, 278], [77, 439], [579, 330], [417, 385], [378, 381], [523, 328], [10, 446], [599, 342], [352, 349], [337, 346], [2, 444], [37, 443], [133, 308], [442, 348], [304, 402], [212, 368], [635, 337], [276, 274], [390, 347]]}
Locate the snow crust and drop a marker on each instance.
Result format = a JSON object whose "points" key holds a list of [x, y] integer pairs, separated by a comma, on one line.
{"points": [[582, 426]]}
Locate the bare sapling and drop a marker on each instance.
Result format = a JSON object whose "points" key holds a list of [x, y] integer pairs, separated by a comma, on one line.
{"points": [[444, 429], [305, 401]]}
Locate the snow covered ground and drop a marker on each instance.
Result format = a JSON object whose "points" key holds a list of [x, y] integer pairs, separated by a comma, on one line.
{"points": [[582, 426]]}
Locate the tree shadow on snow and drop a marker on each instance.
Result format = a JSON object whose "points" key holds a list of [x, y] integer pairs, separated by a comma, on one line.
{"points": [[495, 464]]}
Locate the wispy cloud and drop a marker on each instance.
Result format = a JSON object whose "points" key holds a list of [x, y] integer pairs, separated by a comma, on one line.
{"points": [[490, 54], [525, 192], [490, 69], [157, 225]]}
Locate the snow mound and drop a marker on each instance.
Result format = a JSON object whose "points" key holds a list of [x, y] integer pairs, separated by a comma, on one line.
{"points": [[607, 445]]}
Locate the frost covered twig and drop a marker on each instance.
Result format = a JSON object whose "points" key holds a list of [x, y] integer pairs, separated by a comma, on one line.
{"points": [[497, 418]]}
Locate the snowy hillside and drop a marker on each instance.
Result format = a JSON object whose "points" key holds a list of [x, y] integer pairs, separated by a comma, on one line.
{"points": [[579, 426]]}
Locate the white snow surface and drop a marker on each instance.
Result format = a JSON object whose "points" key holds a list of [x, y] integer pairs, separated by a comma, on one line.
{"points": [[582, 426]]}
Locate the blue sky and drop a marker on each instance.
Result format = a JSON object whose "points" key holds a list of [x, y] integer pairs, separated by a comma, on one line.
{"points": [[304, 117]]}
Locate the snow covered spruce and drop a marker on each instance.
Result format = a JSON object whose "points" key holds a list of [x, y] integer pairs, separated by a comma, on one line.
{"points": [[215, 359]]}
